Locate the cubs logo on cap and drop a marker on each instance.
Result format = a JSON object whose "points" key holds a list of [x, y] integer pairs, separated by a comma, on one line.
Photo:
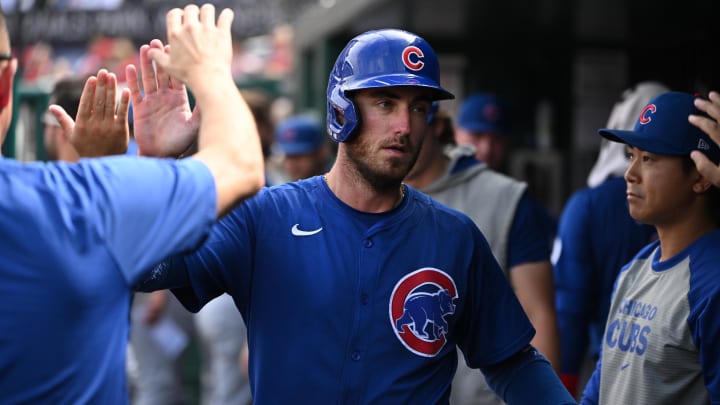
{"points": [[419, 305], [485, 112], [663, 128]]}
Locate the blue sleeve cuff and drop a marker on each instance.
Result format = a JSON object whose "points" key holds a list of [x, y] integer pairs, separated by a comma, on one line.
{"points": [[527, 378]]}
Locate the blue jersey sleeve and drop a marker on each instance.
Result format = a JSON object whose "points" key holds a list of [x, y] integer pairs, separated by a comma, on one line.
{"points": [[527, 378], [223, 263], [531, 233], [140, 209], [704, 300], [591, 394], [574, 285]]}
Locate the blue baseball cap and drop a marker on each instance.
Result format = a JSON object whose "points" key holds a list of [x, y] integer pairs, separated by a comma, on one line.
{"points": [[482, 112], [300, 135], [663, 128]]}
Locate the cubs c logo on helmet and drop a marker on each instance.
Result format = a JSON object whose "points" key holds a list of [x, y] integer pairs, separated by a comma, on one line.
{"points": [[412, 58], [419, 304], [646, 114]]}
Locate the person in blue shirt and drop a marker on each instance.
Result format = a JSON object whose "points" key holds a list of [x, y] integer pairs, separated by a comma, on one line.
{"points": [[596, 237], [355, 287], [76, 236], [660, 340]]}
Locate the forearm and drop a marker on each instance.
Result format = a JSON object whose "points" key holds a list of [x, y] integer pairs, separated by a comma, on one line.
{"points": [[527, 378], [229, 143], [533, 285], [547, 337]]}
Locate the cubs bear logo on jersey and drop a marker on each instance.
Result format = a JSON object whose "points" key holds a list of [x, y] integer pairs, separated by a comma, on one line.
{"points": [[419, 305]]}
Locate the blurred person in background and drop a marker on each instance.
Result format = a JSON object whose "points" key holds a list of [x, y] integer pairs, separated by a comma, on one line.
{"points": [[484, 122], [302, 140], [66, 94]]}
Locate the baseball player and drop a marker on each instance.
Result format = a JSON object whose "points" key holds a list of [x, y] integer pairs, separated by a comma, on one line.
{"points": [[303, 143], [596, 237], [660, 339], [484, 122], [76, 236], [355, 287]]}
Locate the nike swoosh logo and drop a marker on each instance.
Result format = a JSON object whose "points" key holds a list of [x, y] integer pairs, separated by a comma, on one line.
{"points": [[299, 232]]}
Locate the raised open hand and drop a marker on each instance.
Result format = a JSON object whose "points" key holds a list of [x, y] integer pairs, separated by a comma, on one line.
{"points": [[101, 126], [163, 124]]}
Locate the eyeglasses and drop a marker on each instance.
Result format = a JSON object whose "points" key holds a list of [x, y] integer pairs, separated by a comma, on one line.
{"points": [[6, 56]]}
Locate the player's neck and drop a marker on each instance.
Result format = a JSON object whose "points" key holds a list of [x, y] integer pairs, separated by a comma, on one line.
{"points": [[676, 237], [359, 194]]}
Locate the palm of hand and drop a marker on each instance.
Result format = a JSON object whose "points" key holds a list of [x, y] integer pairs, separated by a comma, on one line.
{"points": [[164, 126]]}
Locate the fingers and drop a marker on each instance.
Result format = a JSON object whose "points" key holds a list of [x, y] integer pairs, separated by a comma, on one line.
{"points": [[207, 15], [173, 21], [123, 105], [64, 119], [225, 20], [163, 78], [110, 101], [131, 76], [707, 168], [191, 14], [172, 82], [161, 59], [712, 108], [86, 99], [147, 70]]}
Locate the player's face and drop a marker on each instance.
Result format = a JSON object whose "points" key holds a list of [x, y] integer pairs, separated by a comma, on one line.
{"points": [[391, 132], [305, 165], [489, 148], [659, 191]]}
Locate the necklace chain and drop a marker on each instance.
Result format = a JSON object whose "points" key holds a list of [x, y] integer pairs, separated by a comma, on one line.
{"points": [[402, 187]]}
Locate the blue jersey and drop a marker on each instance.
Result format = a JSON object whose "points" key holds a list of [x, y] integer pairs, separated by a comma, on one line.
{"points": [[660, 344], [596, 237], [348, 307], [75, 237]]}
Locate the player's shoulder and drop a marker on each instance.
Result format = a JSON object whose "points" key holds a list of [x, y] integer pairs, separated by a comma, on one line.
{"points": [[286, 197], [704, 253]]}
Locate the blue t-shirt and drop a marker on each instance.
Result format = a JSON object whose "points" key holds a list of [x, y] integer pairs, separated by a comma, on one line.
{"points": [[340, 311], [75, 237], [596, 237]]}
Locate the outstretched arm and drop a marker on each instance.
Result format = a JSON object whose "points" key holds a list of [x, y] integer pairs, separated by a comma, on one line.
{"points": [[710, 126], [199, 55]]}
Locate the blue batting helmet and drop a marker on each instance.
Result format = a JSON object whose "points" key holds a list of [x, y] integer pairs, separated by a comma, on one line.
{"points": [[380, 58]]}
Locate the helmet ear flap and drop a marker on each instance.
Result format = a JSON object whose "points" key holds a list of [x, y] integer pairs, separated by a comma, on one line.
{"points": [[338, 101]]}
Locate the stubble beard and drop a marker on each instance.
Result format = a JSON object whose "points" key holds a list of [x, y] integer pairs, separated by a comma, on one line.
{"points": [[379, 174]]}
